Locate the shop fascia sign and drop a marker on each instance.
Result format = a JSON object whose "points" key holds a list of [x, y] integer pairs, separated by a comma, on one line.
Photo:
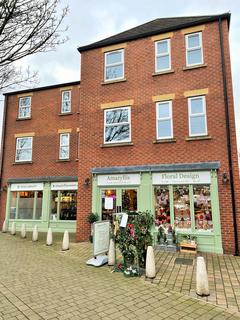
{"points": [[27, 186], [118, 179], [188, 177], [64, 185]]}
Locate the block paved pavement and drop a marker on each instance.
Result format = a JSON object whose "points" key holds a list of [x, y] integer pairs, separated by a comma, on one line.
{"points": [[40, 282]]}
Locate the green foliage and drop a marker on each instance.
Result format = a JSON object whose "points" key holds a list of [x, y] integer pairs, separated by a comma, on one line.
{"points": [[92, 217]]}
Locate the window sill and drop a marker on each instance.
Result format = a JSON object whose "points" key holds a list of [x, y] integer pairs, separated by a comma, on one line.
{"points": [[65, 114], [162, 72], [22, 162], [63, 160], [22, 119], [164, 141], [113, 81], [122, 144], [198, 138], [195, 67]]}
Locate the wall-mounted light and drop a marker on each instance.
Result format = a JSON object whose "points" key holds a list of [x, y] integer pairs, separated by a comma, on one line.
{"points": [[87, 182], [225, 178]]}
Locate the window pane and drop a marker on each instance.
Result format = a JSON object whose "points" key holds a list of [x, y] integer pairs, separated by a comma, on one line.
{"points": [[163, 110], [24, 155], [23, 102], [108, 204], [25, 205], [24, 143], [193, 41], [182, 217], [202, 207], [129, 200], [164, 128], [198, 125], [13, 205], [114, 72], [66, 95], [162, 205], [24, 112], [64, 152], [66, 106], [194, 56], [196, 105], [162, 47], [64, 139], [68, 205], [117, 133], [114, 57], [54, 204], [38, 214], [163, 63], [117, 116]]}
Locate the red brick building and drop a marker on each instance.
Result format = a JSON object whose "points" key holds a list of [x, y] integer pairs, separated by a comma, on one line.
{"points": [[156, 127]]}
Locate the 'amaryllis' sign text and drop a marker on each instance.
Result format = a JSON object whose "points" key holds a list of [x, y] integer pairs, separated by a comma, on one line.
{"points": [[119, 179]]}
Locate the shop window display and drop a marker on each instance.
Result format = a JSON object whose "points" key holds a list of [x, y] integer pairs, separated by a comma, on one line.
{"points": [[202, 207], [182, 216], [108, 204], [162, 206], [64, 205], [129, 200]]}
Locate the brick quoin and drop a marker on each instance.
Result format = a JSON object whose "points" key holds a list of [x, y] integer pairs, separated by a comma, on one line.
{"points": [[140, 86]]}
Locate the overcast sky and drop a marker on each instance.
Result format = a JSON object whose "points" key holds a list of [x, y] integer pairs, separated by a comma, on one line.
{"points": [[92, 20]]}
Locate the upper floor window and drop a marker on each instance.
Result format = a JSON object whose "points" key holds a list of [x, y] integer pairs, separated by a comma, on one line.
{"points": [[164, 120], [162, 55], [117, 125], [24, 149], [114, 65], [24, 108], [194, 51], [64, 146], [66, 102], [197, 116]]}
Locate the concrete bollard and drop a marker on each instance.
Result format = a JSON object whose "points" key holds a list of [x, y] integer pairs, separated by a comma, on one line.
{"points": [[65, 243], [49, 240], [13, 228], [202, 288], [150, 263], [111, 253], [35, 234], [4, 227], [23, 231]]}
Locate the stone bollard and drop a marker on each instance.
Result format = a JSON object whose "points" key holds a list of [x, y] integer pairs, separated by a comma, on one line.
{"points": [[23, 231], [49, 241], [4, 227], [65, 243], [202, 288], [13, 228], [35, 234], [111, 253], [150, 263]]}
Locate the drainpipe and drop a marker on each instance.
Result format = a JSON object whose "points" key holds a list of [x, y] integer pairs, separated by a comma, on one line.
{"points": [[228, 136], [3, 139]]}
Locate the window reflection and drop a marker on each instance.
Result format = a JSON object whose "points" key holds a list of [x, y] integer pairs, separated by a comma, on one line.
{"points": [[202, 207], [162, 205], [182, 217]]}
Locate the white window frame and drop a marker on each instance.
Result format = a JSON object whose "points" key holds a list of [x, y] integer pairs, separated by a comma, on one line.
{"points": [[157, 55], [21, 107], [116, 124], [190, 116], [70, 100], [64, 145], [113, 65], [194, 48], [21, 138], [164, 118]]}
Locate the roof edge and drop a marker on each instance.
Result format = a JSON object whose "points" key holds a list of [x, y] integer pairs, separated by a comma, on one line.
{"points": [[53, 86], [96, 45]]}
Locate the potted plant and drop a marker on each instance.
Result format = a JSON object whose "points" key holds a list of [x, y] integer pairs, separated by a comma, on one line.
{"points": [[92, 217]]}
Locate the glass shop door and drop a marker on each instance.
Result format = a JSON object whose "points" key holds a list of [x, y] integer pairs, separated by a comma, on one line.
{"points": [[116, 200]]}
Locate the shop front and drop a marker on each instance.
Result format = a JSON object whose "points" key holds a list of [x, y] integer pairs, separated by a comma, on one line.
{"points": [[184, 196], [46, 203]]}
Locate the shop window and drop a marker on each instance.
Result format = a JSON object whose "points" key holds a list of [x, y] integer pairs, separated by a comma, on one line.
{"points": [[129, 200], [202, 207], [162, 205], [64, 205], [66, 102], [194, 51], [197, 116], [114, 65], [24, 108], [162, 55], [117, 125], [164, 120], [181, 202], [13, 205], [24, 149], [39, 198], [109, 198], [64, 146], [26, 205]]}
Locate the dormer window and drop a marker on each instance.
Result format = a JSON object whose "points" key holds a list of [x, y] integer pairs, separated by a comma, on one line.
{"points": [[114, 65], [24, 108]]}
